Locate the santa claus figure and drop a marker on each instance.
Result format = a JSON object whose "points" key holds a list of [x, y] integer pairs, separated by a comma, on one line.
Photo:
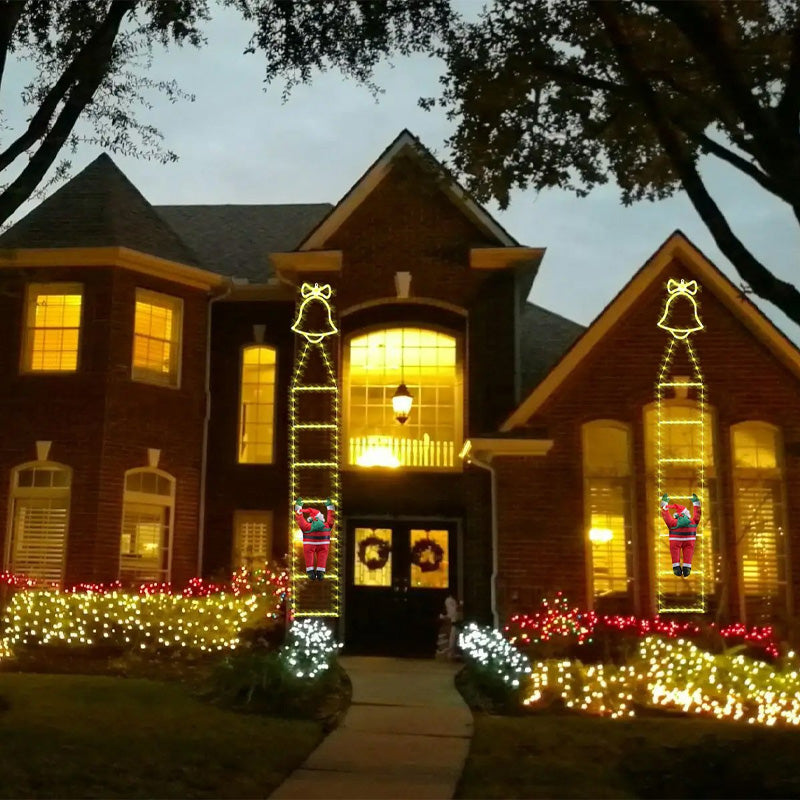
{"points": [[316, 530], [682, 527]]}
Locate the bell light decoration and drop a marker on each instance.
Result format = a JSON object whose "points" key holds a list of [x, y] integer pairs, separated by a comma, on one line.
{"points": [[680, 472], [314, 320]]}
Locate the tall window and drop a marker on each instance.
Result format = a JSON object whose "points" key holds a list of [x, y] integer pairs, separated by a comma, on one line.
{"points": [[257, 405], [158, 321], [52, 327], [252, 539], [427, 361], [682, 441], [40, 495], [147, 519], [760, 518], [607, 503]]}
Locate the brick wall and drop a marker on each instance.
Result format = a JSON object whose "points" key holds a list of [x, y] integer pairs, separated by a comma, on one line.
{"points": [[744, 381]]}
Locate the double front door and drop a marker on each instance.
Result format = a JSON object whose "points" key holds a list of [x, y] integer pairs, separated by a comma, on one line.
{"points": [[397, 578]]}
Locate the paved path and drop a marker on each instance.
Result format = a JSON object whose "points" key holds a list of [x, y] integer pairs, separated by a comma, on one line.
{"points": [[406, 735]]}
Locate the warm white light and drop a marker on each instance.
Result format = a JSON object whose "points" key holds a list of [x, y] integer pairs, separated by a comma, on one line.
{"points": [[401, 403], [600, 535], [377, 456]]}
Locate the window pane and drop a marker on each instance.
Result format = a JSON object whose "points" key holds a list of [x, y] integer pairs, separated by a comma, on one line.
{"points": [[371, 547], [608, 508], [426, 361], [53, 328], [606, 449], [144, 544], [252, 543], [156, 337], [38, 537], [257, 405], [754, 446], [432, 550]]}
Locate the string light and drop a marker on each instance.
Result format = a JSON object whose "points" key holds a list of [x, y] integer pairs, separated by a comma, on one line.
{"points": [[307, 597], [489, 649], [310, 648], [666, 582]]}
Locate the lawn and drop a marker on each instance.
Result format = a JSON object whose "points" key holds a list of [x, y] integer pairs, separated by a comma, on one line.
{"points": [[568, 756], [72, 736]]}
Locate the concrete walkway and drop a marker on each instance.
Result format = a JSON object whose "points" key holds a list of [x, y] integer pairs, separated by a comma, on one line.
{"points": [[406, 735]]}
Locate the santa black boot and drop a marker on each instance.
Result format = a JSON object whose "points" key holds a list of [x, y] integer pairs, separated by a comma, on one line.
{"points": [[686, 570], [312, 574], [320, 574], [676, 568]]}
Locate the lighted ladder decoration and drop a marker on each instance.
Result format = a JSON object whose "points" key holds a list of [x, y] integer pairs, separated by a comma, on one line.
{"points": [[314, 447], [672, 595]]}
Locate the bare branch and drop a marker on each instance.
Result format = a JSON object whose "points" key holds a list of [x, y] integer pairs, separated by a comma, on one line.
{"points": [[10, 12]]}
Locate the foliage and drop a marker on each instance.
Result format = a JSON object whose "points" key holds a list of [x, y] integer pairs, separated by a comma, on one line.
{"points": [[575, 93]]}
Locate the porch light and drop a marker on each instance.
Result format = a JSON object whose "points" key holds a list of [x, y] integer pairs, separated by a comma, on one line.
{"points": [[401, 403], [600, 535]]}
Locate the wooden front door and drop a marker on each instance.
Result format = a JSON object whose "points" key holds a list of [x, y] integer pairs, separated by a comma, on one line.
{"points": [[397, 578]]}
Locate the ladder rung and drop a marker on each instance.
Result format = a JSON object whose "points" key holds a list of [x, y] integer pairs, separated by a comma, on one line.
{"points": [[680, 460], [679, 383], [315, 387], [680, 422], [315, 464], [306, 426]]}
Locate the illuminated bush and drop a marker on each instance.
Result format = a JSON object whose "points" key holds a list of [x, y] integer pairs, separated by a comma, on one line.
{"points": [[309, 650]]}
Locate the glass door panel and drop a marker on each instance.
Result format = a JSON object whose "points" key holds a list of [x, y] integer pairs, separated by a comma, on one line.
{"points": [[372, 557], [429, 559]]}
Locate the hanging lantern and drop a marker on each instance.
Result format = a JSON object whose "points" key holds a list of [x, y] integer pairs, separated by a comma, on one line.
{"points": [[314, 315], [680, 313], [401, 403]]}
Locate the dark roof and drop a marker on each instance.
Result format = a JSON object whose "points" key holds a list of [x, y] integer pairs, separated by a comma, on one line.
{"points": [[544, 337], [99, 207], [236, 239]]}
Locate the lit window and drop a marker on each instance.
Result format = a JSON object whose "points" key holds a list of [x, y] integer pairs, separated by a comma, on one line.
{"points": [[607, 502], [257, 406], [157, 338], [760, 519], [252, 540], [427, 362], [39, 518], [147, 514], [682, 441], [52, 327]]}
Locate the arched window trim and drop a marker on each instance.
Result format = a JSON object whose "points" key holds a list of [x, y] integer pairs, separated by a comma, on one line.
{"points": [[629, 516], [239, 421], [17, 492], [149, 498], [777, 475], [461, 379]]}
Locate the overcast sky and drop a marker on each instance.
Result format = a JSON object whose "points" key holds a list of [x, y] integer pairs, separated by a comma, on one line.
{"points": [[240, 144]]}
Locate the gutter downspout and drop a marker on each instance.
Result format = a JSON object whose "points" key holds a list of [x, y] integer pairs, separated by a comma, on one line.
{"points": [[495, 558], [201, 528]]}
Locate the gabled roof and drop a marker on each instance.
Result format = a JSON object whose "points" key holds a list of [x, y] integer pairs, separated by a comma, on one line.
{"points": [[676, 247], [406, 144], [237, 239], [543, 338], [99, 207]]}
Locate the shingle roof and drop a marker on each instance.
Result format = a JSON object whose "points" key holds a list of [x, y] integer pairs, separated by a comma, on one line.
{"points": [[99, 207], [236, 239], [544, 338]]}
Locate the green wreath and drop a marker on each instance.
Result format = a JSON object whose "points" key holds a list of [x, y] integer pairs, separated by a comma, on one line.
{"points": [[384, 549], [423, 546]]}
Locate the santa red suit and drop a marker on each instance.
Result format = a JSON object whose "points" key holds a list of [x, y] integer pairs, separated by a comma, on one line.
{"points": [[682, 532], [316, 531]]}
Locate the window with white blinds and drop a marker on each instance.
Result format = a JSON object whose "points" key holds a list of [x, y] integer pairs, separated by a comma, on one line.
{"points": [[607, 505], [252, 540], [147, 519], [760, 519], [39, 521]]}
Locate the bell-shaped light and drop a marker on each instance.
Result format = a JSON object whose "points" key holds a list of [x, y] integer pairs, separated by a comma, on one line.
{"points": [[401, 403]]}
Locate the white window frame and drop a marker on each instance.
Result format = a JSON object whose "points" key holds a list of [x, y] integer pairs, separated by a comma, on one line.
{"points": [[147, 498], [173, 379], [240, 426], [32, 492], [32, 292], [243, 516]]}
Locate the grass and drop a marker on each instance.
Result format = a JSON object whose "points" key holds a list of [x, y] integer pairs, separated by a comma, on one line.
{"points": [[551, 755], [72, 736]]}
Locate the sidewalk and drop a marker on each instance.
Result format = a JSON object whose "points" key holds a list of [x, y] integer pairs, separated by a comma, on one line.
{"points": [[406, 734]]}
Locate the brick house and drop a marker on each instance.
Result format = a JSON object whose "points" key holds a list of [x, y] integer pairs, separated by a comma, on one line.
{"points": [[145, 403]]}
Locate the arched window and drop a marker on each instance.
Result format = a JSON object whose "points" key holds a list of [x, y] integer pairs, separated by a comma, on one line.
{"points": [[680, 444], [148, 511], [428, 362], [37, 546], [758, 487], [607, 505], [257, 405]]}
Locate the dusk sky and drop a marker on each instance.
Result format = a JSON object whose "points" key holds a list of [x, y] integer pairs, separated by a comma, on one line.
{"points": [[240, 144]]}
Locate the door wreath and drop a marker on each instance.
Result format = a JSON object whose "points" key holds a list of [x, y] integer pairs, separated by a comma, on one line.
{"points": [[383, 548], [427, 555]]}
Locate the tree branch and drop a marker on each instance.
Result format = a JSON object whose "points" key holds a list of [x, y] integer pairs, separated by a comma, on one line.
{"points": [[80, 95], [788, 109], [83, 62], [759, 278], [10, 12]]}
